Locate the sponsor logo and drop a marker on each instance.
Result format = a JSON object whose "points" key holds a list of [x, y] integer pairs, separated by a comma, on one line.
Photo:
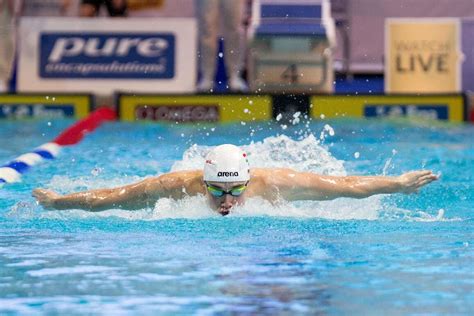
{"points": [[227, 174], [171, 113], [107, 55], [19, 111], [434, 111]]}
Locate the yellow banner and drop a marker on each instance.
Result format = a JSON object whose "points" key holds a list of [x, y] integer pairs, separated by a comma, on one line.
{"points": [[51, 106], [195, 108], [443, 107], [422, 56]]}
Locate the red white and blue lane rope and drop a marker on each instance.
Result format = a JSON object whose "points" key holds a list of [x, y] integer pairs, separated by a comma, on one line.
{"points": [[12, 171]]}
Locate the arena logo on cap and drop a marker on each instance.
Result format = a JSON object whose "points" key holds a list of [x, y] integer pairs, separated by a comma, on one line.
{"points": [[107, 55], [227, 174], [182, 113]]}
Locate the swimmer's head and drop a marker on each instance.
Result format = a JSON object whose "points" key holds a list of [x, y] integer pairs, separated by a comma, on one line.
{"points": [[226, 163], [226, 175]]}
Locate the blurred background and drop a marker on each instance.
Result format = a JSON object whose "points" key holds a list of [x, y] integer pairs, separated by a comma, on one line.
{"points": [[288, 50]]}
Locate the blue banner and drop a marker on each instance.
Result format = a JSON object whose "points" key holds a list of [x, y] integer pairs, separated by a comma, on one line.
{"points": [[107, 55], [434, 111], [19, 111]]}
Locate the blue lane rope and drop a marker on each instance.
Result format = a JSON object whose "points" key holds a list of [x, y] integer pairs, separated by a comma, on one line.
{"points": [[12, 171]]}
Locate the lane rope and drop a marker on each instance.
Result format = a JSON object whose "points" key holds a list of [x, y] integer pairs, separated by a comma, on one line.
{"points": [[13, 170]]}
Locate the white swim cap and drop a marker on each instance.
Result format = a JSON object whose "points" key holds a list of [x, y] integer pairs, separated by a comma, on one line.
{"points": [[226, 163]]}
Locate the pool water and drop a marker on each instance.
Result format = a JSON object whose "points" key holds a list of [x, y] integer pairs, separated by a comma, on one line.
{"points": [[391, 255]]}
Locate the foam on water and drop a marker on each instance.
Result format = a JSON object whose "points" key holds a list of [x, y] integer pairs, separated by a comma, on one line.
{"points": [[69, 270], [396, 213]]}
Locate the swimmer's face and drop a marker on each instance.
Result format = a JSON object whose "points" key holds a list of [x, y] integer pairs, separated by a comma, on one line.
{"points": [[232, 194]]}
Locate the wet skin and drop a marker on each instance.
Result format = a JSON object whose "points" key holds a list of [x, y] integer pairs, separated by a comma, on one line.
{"points": [[224, 204], [272, 184]]}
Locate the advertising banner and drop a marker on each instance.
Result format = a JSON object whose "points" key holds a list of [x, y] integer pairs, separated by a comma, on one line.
{"points": [[195, 108], [468, 51], [47, 106], [105, 55], [432, 107], [288, 108], [422, 56]]}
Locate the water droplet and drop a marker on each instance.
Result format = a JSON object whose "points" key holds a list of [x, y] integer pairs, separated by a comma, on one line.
{"points": [[96, 171]]}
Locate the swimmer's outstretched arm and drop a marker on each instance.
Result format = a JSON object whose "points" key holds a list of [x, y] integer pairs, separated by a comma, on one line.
{"points": [[129, 197], [309, 186]]}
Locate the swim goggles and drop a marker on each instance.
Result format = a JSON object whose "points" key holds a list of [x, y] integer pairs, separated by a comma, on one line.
{"points": [[218, 192]]}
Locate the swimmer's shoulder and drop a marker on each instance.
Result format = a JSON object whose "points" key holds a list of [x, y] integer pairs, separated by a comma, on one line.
{"points": [[181, 177], [267, 182], [260, 174], [187, 174], [269, 175], [177, 180]]}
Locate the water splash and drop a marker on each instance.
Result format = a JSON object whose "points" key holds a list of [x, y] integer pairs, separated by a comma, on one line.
{"points": [[23, 210], [340, 209], [281, 151], [388, 163], [400, 214], [307, 154]]}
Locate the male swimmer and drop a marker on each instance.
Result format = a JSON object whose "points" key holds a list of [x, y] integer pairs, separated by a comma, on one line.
{"points": [[227, 181]]}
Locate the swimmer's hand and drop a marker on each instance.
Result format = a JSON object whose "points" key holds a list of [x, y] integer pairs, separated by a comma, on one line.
{"points": [[46, 198], [411, 182]]}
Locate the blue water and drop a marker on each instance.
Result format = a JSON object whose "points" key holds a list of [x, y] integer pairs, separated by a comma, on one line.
{"points": [[391, 255]]}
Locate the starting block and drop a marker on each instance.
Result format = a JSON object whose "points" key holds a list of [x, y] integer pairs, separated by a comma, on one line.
{"points": [[291, 46]]}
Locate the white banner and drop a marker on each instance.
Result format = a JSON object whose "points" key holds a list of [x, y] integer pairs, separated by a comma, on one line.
{"points": [[106, 55]]}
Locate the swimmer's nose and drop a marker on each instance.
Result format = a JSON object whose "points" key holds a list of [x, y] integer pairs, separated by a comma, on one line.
{"points": [[228, 200], [226, 205]]}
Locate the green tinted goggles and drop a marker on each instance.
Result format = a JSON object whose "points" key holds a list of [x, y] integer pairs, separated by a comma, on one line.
{"points": [[218, 192]]}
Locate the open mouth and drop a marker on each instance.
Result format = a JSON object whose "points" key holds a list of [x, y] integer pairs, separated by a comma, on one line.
{"points": [[224, 212]]}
